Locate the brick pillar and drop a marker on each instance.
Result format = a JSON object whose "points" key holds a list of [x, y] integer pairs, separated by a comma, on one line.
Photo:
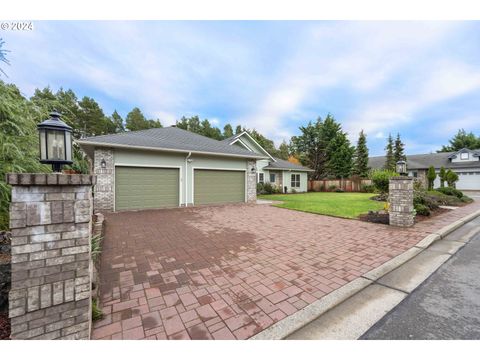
{"points": [[50, 221], [251, 181], [103, 200], [401, 201]]}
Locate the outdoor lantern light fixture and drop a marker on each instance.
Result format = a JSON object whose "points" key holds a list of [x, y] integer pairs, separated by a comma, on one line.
{"points": [[55, 142], [252, 170], [402, 167], [103, 164]]}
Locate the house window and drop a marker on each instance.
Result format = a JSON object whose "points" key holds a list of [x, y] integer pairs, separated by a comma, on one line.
{"points": [[464, 156], [261, 178], [295, 181], [415, 174], [273, 178]]}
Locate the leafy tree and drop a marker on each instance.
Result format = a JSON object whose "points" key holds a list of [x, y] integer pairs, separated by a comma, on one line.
{"points": [[361, 156], [238, 130], [283, 151], [431, 176], [452, 178], [381, 179], [3, 56], [18, 142], [399, 150], [117, 121], [462, 140], [390, 157], [443, 176], [227, 131], [294, 160], [265, 143], [135, 120]]}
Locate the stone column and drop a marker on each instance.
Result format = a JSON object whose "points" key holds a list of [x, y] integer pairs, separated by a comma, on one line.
{"points": [[401, 201], [50, 221], [103, 200], [251, 181]]}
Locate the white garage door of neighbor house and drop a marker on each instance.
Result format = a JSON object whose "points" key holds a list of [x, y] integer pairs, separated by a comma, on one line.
{"points": [[468, 180]]}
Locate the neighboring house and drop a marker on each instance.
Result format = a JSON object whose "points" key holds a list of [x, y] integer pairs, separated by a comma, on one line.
{"points": [[465, 162], [171, 167], [285, 175]]}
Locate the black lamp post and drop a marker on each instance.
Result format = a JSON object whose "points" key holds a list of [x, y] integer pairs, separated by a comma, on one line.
{"points": [[402, 167], [55, 142]]}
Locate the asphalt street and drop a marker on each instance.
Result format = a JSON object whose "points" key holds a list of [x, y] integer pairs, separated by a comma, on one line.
{"points": [[445, 306]]}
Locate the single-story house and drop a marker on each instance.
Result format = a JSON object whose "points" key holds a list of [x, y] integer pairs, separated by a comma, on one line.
{"points": [[464, 162], [286, 176], [171, 167]]}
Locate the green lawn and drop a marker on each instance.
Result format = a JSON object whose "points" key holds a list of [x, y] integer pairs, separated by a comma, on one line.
{"points": [[346, 205]]}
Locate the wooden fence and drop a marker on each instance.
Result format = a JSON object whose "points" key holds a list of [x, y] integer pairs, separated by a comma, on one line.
{"points": [[349, 185]]}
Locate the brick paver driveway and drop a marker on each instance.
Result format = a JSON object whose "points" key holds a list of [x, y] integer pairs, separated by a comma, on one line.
{"points": [[229, 272]]}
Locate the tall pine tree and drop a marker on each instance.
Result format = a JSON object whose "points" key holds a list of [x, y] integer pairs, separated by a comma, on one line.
{"points": [[340, 162], [390, 157], [399, 150], [361, 156]]}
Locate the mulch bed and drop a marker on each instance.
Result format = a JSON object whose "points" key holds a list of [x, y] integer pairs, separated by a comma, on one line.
{"points": [[4, 326], [433, 213]]}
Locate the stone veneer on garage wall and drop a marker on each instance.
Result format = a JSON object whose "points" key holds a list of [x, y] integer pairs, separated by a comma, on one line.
{"points": [[251, 181], [50, 220], [104, 196]]}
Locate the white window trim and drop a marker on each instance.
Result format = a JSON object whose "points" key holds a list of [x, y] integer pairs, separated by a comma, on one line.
{"points": [[299, 181], [466, 154], [263, 175]]}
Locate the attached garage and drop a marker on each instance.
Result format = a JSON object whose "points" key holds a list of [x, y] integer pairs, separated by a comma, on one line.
{"points": [[468, 180], [218, 186], [146, 188]]}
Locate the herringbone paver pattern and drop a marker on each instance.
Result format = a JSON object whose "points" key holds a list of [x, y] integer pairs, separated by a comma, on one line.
{"points": [[229, 272]]}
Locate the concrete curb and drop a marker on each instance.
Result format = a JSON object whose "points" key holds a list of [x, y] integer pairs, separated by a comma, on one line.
{"points": [[294, 322]]}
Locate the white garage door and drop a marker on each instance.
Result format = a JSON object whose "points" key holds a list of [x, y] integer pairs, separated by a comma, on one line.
{"points": [[468, 180]]}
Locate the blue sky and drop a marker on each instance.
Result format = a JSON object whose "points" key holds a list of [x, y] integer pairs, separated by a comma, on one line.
{"points": [[421, 79]]}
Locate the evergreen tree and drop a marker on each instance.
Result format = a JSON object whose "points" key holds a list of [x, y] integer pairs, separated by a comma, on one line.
{"points": [[361, 156], [451, 178], [283, 151], [210, 131], [238, 130], [135, 120], [431, 176], [443, 176], [462, 140], [390, 157], [265, 143], [399, 150], [227, 131], [340, 160], [91, 119], [3, 56], [117, 121]]}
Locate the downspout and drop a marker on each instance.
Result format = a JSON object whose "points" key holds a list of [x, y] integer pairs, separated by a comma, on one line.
{"points": [[185, 178]]}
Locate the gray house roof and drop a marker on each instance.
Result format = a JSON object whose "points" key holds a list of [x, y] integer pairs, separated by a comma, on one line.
{"points": [[424, 161], [280, 164], [166, 139]]}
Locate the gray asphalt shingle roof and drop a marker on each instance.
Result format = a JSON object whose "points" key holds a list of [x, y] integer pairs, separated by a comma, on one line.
{"points": [[280, 164], [169, 138], [424, 161]]}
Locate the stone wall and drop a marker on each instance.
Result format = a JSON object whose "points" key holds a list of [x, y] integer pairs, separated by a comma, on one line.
{"points": [[251, 181], [50, 221], [104, 199], [401, 201]]}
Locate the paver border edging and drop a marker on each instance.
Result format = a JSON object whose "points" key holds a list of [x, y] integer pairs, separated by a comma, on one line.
{"points": [[294, 322]]}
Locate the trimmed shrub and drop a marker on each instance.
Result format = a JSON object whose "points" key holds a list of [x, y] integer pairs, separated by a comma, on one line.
{"points": [[431, 176], [332, 187], [422, 210], [367, 188], [451, 178], [339, 190], [380, 179], [450, 191]]}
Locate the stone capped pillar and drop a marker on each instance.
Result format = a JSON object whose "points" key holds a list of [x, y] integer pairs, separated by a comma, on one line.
{"points": [[103, 200], [401, 211], [251, 181], [50, 221]]}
